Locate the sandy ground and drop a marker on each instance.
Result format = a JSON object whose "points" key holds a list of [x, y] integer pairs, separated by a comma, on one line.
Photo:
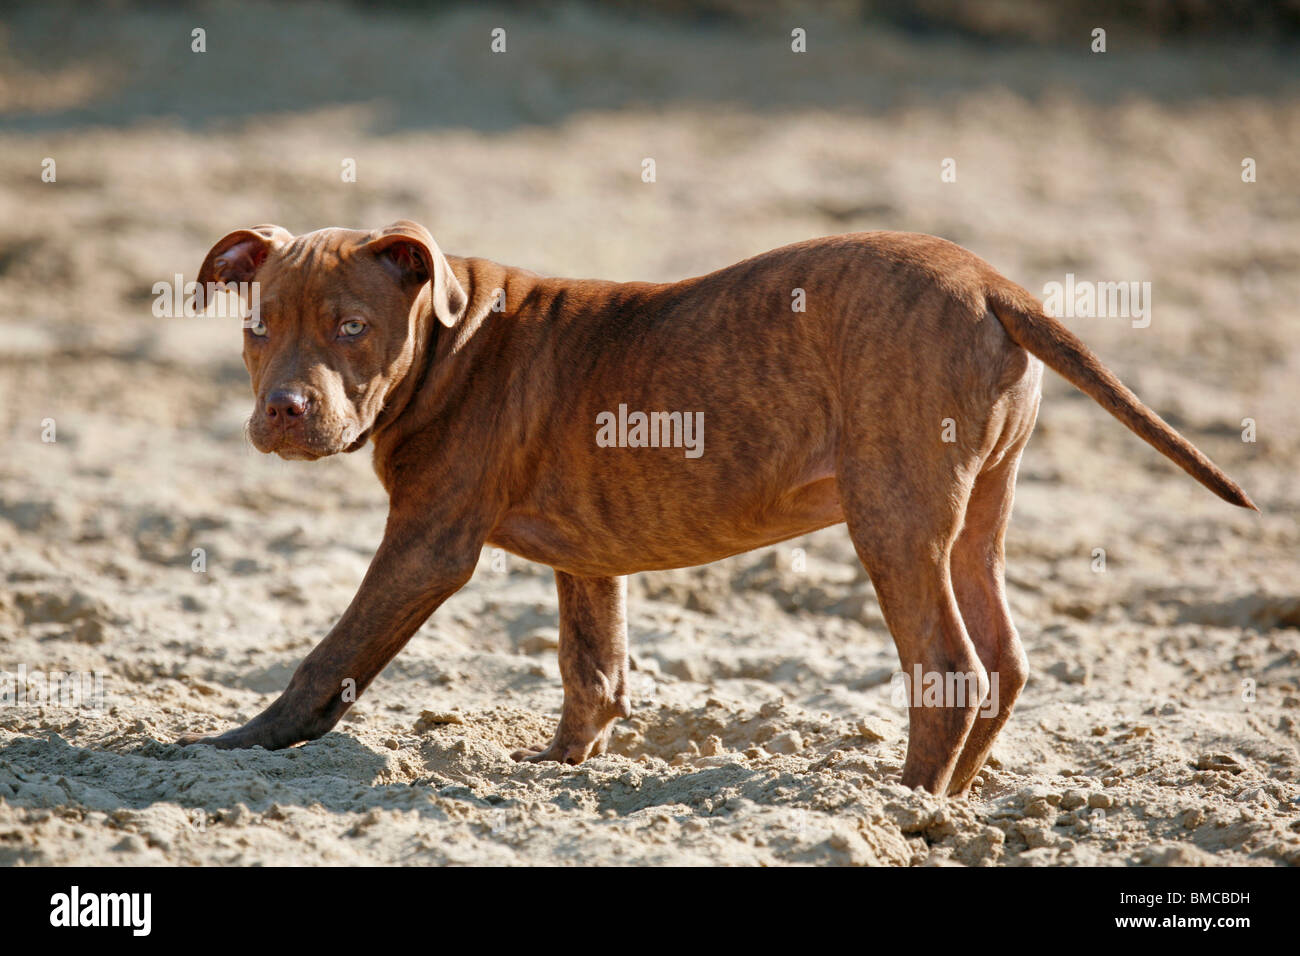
{"points": [[763, 731]]}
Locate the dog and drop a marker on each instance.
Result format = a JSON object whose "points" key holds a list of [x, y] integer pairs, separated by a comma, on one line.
{"points": [[884, 380]]}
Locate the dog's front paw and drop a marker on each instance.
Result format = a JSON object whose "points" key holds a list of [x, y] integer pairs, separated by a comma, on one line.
{"points": [[570, 751], [570, 755], [236, 739], [185, 740], [253, 734]]}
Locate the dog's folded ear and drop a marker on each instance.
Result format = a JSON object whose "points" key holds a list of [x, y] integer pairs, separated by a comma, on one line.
{"points": [[238, 256], [408, 252]]}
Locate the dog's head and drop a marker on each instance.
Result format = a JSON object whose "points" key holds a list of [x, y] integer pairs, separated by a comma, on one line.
{"points": [[334, 327]]}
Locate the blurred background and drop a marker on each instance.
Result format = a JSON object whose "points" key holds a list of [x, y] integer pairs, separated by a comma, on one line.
{"points": [[1123, 165]]}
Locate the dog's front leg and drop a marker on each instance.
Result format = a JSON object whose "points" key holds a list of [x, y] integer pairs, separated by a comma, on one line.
{"points": [[593, 665], [412, 573]]}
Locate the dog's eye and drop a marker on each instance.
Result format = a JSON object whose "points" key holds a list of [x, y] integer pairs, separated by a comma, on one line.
{"points": [[259, 329], [351, 327]]}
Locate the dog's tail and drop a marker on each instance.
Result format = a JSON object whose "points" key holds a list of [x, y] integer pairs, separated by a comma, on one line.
{"points": [[1060, 349]]}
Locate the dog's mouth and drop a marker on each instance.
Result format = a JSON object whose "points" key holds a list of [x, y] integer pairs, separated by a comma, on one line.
{"points": [[294, 444], [292, 451]]}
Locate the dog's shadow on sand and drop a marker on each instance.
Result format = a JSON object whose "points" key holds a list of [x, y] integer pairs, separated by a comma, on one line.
{"points": [[336, 773]]}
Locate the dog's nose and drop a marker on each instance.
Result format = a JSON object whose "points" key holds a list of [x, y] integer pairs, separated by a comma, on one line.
{"points": [[285, 404]]}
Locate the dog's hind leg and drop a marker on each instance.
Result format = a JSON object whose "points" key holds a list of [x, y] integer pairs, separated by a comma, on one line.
{"points": [[593, 665], [978, 561], [903, 519]]}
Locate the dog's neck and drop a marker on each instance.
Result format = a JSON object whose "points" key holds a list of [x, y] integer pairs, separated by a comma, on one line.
{"points": [[428, 333], [432, 344], [439, 383], [425, 336]]}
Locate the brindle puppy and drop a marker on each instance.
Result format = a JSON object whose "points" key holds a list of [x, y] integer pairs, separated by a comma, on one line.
{"points": [[484, 388]]}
